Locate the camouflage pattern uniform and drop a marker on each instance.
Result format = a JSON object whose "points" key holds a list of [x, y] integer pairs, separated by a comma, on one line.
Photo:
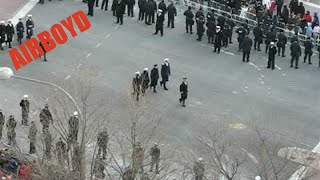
{"points": [[45, 117], [11, 133], [76, 158], [136, 85], [138, 157], [25, 106], [155, 157], [73, 128], [145, 176], [99, 168], [48, 143], [127, 174], [102, 143], [198, 169], [2, 121], [61, 151], [33, 137]]}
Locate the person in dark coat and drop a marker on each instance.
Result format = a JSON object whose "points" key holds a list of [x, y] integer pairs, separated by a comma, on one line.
{"points": [[104, 4], [44, 51], [154, 12], [162, 5], [29, 26], [231, 23], [210, 16], [20, 30], [154, 77], [136, 85], [301, 10], [308, 50], [73, 128], [279, 6], [130, 4], [218, 39], [226, 32], [90, 7], [270, 37], [258, 37], [242, 32], [211, 30], [200, 27], [221, 20], [141, 4], [45, 117], [9, 33], [102, 142], [246, 48], [272, 55], [199, 14], [295, 54], [145, 81], [120, 11], [183, 92], [25, 108], [165, 73], [285, 14], [149, 10], [2, 33], [159, 23], [282, 41], [172, 12], [189, 20], [113, 7], [293, 5]]}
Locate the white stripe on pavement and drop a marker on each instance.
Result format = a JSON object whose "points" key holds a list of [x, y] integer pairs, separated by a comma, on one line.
{"points": [[89, 54], [68, 77], [23, 11]]}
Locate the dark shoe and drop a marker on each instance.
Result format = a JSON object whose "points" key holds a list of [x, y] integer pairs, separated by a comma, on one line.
{"points": [[160, 83], [283, 56], [183, 105], [310, 63], [180, 100], [155, 33], [230, 42], [191, 32], [291, 66], [187, 32], [259, 49], [172, 27], [166, 89], [45, 60], [296, 67], [273, 68], [155, 91], [268, 67], [248, 61]]}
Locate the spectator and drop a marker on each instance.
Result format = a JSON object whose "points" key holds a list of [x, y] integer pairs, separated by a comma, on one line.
{"points": [[308, 29], [293, 6], [315, 20], [307, 17], [285, 14], [316, 32], [301, 10]]}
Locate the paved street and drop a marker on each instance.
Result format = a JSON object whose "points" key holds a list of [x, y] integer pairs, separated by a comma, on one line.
{"points": [[222, 89], [9, 8]]}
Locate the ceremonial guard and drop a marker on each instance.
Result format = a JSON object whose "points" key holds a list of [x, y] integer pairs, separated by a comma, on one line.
{"points": [[218, 40], [136, 85], [189, 20], [165, 73], [9, 33], [172, 12], [200, 27], [154, 78], [183, 92], [145, 81], [308, 50], [29, 26], [258, 37], [159, 23], [282, 41], [2, 33], [20, 30], [272, 55], [295, 54], [25, 107]]}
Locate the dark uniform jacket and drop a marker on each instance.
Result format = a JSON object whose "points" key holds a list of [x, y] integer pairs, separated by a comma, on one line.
{"points": [[131, 2], [200, 25], [189, 17], [221, 21], [184, 90], [241, 33], [154, 77], [141, 4], [20, 30], [210, 17], [30, 26], [272, 51], [136, 83], [308, 47], [218, 39], [258, 34], [145, 79], [295, 49], [2, 33], [211, 28], [163, 7], [199, 14], [120, 8], [246, 44], [172, 11], [148, 7], [282, 40], [160, 20], [270, 37], [165, 72], [45, 116], [9, 32], [25, 104]]}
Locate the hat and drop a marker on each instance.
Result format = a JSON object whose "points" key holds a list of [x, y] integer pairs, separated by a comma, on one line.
{"points": [[156, 144], [145, 69], [155, 65], [166, 60], [218, 27], [200, 159], [257, 178], [46, 105], [138, 72], [29, 15], [184, 78], [75, 113], [159, 10], [2, 22], [272, 43], [25, 96]]}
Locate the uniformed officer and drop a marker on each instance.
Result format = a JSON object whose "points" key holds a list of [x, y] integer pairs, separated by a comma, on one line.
{"points": [[25, 107], [155, 157], [172, 12], [154, 12], [231, 23], [130, 4], [20, 30], [154, 77], [200, 27], [241, 31], [272, 54], [258, 37], [102, 142], [270, 37], [2, 121], [2, 33], [159, 23], [105, 5], [136, 85], [183, 92], [189, 20], [294, 38], [198, 169], [90, 7], [33, 137], [141, 5], [145, 81], [120, 11], [138, 158], [295, 54], [282, 41], [165, 73], [45, 117], [11, 132], [99, 167], [73, 127], [29, 26], [41, 2], [61, 150], [199, 13], [210, 16], [218, 40], [9, 33], [149, 10], [76, 158], [246, 47], [308, 50], [226, 32], [48, 143], [211, 30]]}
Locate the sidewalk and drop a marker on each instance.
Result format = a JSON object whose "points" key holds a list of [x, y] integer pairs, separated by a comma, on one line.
{"points": [[9, 8]]}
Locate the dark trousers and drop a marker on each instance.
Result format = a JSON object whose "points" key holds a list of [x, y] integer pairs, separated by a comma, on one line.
{"points": [[307, 55], [230, 37], [28, 34], [159, 29], [148, 18], [120, 18], [105, 2], [130, 10], [225, 41], [171, 21], [44, 57], [188, 27], [217, 48], [240, 44], [267, 47], [200, 37], [257, 44], [271, 62], [295, 58], [41, 1], [281, 49], [152, 17], [97, 3], [210, 39], [141, 14], [245, 55], [90, 9], [32, 148]]}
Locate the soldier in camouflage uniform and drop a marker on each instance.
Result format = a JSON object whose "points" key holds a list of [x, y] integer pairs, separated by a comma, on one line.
{"points": [[61, 150], [73, 127], [76, 158], [155, 157], [136, 85], [102, 143], [198, 169], [2, 121], [45, 117], [99, 168], [47, 143], [25, 106], [137, 157], [11, 133], [33, 137]]}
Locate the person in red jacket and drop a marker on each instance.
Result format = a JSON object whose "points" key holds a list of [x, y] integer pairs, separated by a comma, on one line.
{"points": [[307, 17]]}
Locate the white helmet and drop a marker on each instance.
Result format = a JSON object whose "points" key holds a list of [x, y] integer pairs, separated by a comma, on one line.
{"points": [[75, 113], [29, 15], [2, 22], [145, 69], [257, 178], [166, 60], [200, 159], [138, 73], [25, 96]]}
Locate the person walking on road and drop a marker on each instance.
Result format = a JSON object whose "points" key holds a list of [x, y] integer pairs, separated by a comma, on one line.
{"points": [[29, 26], [11, 130], [272, 56], [308, 50], [172, 12], [2, 33], [90, 7], [183, 92], [246, 48], [25, 107], [165, 73], [33, 137], [295, 54], [20, 30], [189, 20], [154, 78], [159, 22], [9, 33]]}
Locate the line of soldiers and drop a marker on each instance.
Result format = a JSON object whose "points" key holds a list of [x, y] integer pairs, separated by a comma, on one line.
{"points": [[7, 31]]}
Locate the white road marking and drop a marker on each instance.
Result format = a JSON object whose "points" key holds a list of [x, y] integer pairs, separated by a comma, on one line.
{"points": [[68, 77], [311, 4], [98, 45], [47, 99], [274, 65], [262, 76], [79, 66], [235, 92], [269, 88], [89, 54], [246, 87], [227, 52], [251, 156], [35, 112], [254, 66], [5, 100], [261, 82], [107, 36], [283, 74], [23, 11]]}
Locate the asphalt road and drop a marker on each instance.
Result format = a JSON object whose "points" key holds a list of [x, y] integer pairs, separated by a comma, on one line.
{"points": [[222, 89]]}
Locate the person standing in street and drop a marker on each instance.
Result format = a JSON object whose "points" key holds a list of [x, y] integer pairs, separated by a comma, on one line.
{"points": [[159, 23], [20, 30], [172, 12], [25, 107], [61, 150], [145, 81], [131, 4], [102, 142], [47, 143], [242, 32], [246, 47], [104, 4], [218, 40], [198, 169], [141, 4], [120, 11], [165, 73], [295, 54], [9, 33], [2, 33], [154, 11], [11, 130], [211, 29], [162, 5], [258, 37], [154, 78], [45, 117], [231, 23], [97, 3], [44, 50], [199, 13], [270, 37], [282, 41], [200, 27], [136, 85], [308, 50], [148, 8], [90, 7], [183, 92], [155, 157], [29, 26], [33, 137], [272, 56], [189, 20], [2, 122], [74, 127]]}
